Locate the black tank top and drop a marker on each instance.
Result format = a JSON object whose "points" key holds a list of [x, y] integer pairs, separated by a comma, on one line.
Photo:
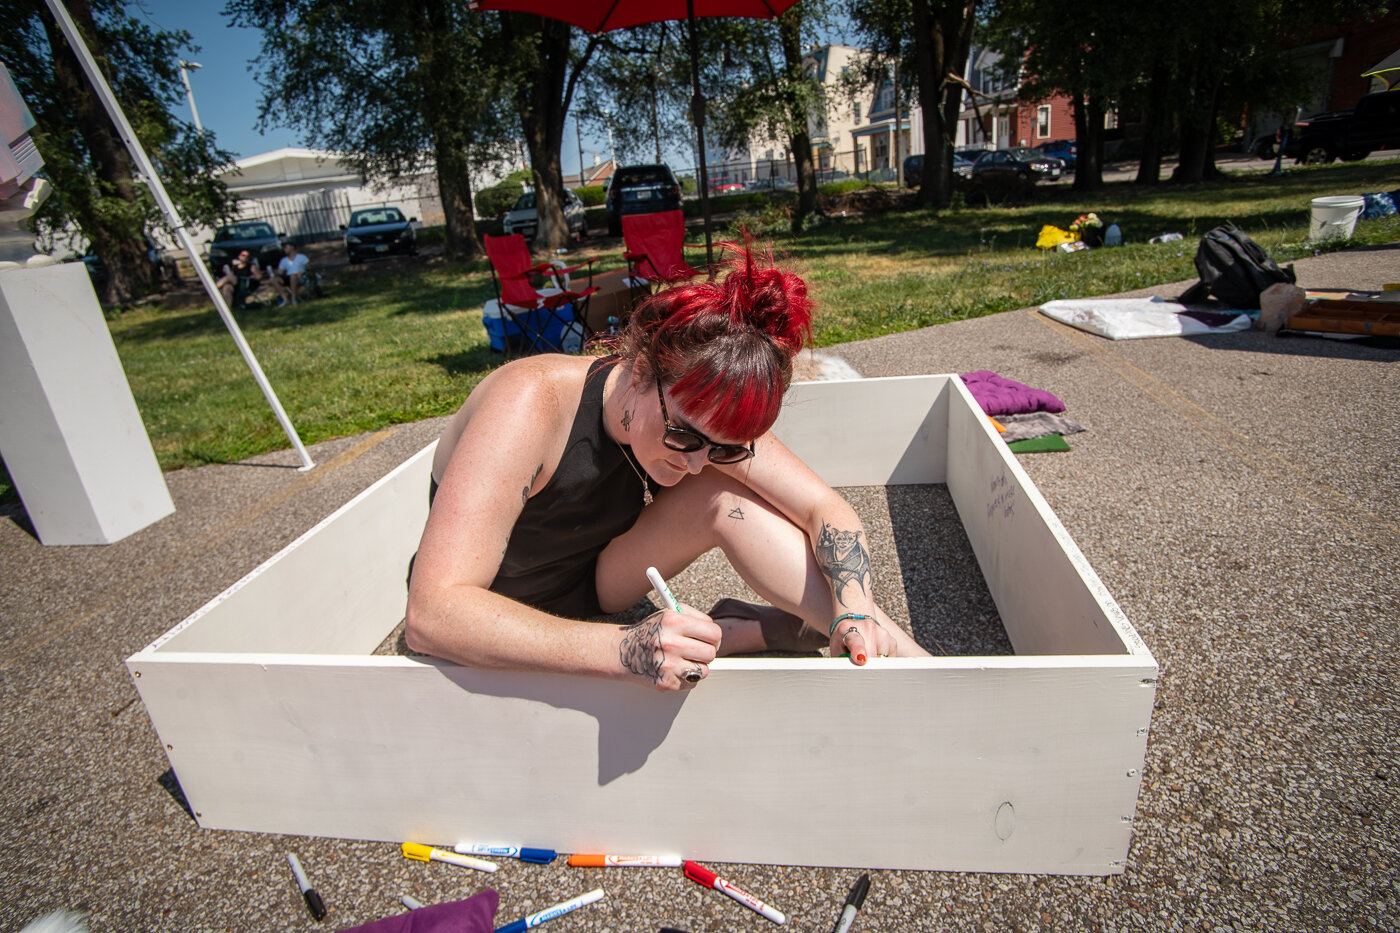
{"points": [[593, 496]]}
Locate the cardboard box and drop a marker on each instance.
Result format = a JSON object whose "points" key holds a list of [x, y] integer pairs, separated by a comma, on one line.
{"points": [[612, 299], [276, 717]]}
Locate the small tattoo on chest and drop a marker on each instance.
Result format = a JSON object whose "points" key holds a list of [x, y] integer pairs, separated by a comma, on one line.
{"points": [[626, 420]]}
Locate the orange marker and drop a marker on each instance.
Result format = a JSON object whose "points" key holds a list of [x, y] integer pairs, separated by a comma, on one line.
{"points": [[625, 861]]}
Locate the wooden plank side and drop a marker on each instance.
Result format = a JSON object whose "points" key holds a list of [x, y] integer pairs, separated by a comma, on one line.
{"points": [[1049, 598], [892, 429], [339, 588], [979, 764]]}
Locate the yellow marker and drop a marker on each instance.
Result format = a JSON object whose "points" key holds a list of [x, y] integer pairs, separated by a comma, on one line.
{"points": [[422, 853]]}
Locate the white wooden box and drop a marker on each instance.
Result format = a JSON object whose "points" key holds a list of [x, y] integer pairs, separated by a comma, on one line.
{"points": [[277, 717]]}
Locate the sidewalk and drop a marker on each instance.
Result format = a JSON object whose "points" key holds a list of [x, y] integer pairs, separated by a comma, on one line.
{"points": [[1236, 494]]}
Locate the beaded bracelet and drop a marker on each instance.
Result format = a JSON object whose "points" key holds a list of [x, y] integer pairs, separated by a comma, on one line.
{"points": [[843, 617]]}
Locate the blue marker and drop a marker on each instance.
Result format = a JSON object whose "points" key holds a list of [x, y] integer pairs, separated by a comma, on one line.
{"points": [[524, 853], [549, 913]]}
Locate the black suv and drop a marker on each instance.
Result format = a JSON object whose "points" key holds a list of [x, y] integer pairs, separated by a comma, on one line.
{"points": [[1348, 134], [256, 236], [641, 189], [379, 231]]}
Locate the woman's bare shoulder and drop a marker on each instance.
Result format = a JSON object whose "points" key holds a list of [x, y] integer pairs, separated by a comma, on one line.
{"points": [[532, 383], [530, 398]]}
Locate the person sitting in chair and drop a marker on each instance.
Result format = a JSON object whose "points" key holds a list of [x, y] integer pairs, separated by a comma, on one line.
{"points": [[287, 280], [241, 270], [562, 478]]}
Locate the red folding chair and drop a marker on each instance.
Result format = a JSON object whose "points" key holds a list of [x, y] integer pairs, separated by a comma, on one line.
{"points": [[654, 248], [541, 316]]}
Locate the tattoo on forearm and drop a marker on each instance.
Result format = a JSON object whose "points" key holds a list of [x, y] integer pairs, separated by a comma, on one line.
{"points": [[843, 559], [641, 651], [737, 513], [525, 493]]}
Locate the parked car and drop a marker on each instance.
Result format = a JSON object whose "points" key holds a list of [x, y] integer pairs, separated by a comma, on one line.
{"points": [[256, 236], [1003, 172], [971, 153], [379, 231], [1063, 149], [776, 183], [640, 189], [524, 219], [914, 169], [828, 175], [726, 187], [1349, 135]]}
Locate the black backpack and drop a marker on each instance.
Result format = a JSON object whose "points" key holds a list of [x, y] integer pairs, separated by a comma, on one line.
{"points": [[1233, 269]]}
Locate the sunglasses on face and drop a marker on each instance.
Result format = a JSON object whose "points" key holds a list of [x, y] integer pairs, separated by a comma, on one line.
{"points": [[688, 440]]}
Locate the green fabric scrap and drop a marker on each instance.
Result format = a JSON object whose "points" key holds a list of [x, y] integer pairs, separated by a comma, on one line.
{"points": [[1035, 445]]}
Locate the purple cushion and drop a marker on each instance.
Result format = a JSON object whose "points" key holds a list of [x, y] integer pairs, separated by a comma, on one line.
{"points": [[1001, 396], [476, 914]]}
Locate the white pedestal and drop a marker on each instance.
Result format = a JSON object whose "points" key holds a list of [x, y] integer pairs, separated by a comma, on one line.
{"points": [[70, 433]]}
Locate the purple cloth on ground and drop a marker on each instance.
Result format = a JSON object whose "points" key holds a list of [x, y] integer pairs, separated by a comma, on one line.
{"points": [[476, 914], [1001, 396]]}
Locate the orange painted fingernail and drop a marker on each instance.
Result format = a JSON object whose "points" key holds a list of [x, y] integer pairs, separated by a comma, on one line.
{"points": [[860, 659]]}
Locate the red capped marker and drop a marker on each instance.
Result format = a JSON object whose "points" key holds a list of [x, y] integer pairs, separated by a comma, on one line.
{"points": [[703, 876]]}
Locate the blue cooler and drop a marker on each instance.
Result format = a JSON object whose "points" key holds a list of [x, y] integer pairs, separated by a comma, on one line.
{"points": [[506, 336]]}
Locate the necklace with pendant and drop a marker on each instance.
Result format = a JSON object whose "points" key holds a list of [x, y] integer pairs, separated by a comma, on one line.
{"points": [[646, 490], [627, 455]]}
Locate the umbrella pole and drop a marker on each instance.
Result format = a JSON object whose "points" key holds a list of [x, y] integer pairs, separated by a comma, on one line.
{"points": [[697, 113]]}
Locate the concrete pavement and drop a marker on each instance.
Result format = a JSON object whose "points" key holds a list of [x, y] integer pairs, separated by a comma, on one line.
{"points": [[1236, 493]]}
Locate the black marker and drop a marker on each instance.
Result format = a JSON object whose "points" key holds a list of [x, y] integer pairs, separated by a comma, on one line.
{"points": [[854, 902], [313, 900]]}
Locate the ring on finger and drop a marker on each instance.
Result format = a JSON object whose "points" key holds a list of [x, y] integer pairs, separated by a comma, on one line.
{"points": [[849, 632], [693, 675]]}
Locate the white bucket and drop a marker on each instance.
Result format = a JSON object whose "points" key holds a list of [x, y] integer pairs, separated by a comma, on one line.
{"points": [[1334, 218]]}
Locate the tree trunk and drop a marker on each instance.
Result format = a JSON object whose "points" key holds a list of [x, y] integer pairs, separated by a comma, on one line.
{"points": [[928, 70], [113, 228], [455, 191], [799, 139], [1197, 115], [942, 40], [1191, 161], [1154, 121], [431, 26], [542, 106], [1088, 130]]}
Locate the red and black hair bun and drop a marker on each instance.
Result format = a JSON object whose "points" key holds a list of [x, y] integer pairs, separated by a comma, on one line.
{"points": [[724, 347]]}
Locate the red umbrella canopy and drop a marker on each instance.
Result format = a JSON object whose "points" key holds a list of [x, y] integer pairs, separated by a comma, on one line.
{"points": [[603, 15]]}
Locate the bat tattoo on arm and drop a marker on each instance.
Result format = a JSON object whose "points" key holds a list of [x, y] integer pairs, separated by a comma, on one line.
{"points": [[525, 493], [641, 651], [843, 558]]}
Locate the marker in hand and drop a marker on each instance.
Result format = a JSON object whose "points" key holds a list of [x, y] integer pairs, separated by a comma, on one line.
{"points": [[693, 675], [659, 582]]}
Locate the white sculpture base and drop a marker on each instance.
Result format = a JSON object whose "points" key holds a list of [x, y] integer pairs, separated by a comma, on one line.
{"points": [[71, 436]]}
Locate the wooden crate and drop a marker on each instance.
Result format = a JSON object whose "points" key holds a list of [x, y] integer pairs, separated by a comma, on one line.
{"points": [[1363, 316], [276, 716]]}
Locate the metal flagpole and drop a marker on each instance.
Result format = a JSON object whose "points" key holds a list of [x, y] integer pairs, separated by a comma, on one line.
{"points": [[172, 217]]}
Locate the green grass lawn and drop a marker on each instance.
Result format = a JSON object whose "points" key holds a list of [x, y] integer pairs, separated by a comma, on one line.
{"points": [[395, 344]]}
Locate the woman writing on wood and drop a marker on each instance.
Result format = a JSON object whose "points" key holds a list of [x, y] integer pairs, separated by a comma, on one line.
{"points": [[562, 478]]}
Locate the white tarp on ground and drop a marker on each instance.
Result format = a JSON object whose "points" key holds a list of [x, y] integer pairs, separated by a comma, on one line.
{"points": [[1124, 318]]}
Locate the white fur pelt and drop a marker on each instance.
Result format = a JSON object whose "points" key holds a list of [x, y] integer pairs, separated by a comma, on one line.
{"points": [[821, 366], [60, 921]]}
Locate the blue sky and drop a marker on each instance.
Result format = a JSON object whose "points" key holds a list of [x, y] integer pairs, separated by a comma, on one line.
{"points": [[226, 93]]}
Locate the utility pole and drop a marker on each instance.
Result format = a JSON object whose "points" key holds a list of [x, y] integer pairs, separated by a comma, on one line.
{"points": [[185, 69]]}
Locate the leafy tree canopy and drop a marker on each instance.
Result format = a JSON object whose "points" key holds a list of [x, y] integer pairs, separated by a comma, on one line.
{"points": [[95, 192]]}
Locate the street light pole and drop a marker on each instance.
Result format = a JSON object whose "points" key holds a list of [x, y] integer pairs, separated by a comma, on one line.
{"points": [[185, 69]]}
